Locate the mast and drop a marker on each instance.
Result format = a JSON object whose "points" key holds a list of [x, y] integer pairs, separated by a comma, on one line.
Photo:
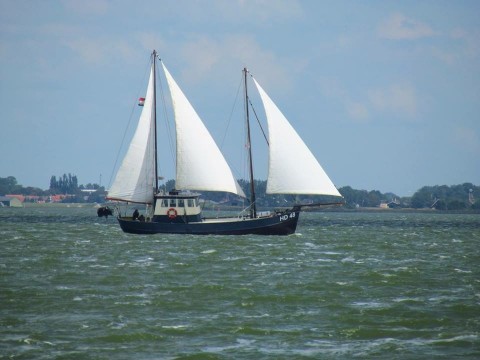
{"points": [[154, 113], [253, 206]]}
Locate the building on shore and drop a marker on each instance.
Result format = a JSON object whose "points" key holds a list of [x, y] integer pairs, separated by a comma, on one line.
{"points": [[10, 201]]}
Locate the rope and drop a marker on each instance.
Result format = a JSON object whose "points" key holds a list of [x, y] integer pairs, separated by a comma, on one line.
{"points": [[258, 121]]}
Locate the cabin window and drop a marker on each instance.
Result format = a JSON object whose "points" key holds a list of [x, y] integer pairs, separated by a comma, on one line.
{"points": [[173, 202], [181, 203], [191, 203], [164, 203]]}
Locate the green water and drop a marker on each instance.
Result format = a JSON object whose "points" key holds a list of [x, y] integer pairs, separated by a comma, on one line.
{"points": [[347, 285]]}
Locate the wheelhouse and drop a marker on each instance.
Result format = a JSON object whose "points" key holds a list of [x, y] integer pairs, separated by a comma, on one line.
{"points": [[177, 206]]}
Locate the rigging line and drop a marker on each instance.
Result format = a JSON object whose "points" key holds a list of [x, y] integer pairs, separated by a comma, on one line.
{"points": [[256, 117], [126, 129], [234, 169], [258, 121], [231, 113]]}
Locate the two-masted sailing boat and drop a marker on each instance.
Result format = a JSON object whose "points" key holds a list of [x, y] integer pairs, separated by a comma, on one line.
{"points": [[200, 166]]}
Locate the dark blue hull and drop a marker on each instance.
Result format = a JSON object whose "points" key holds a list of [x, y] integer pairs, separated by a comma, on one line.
{"points": [[283, 223]]}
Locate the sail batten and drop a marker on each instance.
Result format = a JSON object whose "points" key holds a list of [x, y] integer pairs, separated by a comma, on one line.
{"points": [[199, 164], [293, 169], [135, 178]]}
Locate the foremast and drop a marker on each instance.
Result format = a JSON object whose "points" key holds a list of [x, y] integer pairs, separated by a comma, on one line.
{"points": [[253, 205], [154, 114]]}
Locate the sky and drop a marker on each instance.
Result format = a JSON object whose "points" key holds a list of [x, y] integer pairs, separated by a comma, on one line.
{"points": [[386, 94]]}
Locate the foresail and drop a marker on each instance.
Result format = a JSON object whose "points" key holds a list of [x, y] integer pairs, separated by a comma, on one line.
{"points": [[135, 178], [200, 164], [292, 167]]}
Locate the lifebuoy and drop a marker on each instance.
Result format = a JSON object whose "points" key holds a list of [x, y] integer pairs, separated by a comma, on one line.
{"points": [[172, 213]]}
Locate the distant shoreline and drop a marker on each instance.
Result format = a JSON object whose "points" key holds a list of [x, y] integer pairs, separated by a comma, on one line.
{"points": [[230, 208]]}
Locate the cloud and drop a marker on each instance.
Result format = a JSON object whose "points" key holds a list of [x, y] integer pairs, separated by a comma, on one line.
{"points": [[358, 111], [150, 41], [460, 46], [90, 50], [470, 41], [87, 46], [241, 11], [87, 7], [217, 56], [399, 99], [205, 52], [98, 50], [399, 27], [467, 139]]}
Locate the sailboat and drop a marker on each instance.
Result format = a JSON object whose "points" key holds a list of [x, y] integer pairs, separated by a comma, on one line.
{"points": [[200, 166]]}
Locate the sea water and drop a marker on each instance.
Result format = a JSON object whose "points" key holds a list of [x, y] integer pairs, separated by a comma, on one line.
{"points": [[383, 285]]}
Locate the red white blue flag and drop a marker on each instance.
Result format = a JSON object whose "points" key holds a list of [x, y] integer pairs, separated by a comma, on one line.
{"points": [[141, 101]]}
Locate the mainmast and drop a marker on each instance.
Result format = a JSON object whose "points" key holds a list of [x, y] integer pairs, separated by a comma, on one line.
{"points": [[253, 206], [154, 114]]}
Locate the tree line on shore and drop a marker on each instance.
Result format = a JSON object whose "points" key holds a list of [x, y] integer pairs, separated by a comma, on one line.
{"points": [[455, 197], [67, 185]]}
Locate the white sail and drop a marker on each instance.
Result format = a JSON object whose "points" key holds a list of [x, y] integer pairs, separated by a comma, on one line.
{"points": [[135, 178], [292, 167], [200, 164]]}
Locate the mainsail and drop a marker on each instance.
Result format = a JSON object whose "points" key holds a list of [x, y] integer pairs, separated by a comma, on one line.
{"points": [[292, 167], [200, 164], [136, 176]]}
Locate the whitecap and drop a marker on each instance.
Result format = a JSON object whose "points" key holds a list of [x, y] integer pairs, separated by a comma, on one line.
{"points": [[245, 341], [98, 266], [61, 287], [234, 258], [368, 305], [175, 327], [387, 275], [404, 299], [467, 337], [257, 316], [463, 271], [117, 326], [211, 251], [144, 260]]}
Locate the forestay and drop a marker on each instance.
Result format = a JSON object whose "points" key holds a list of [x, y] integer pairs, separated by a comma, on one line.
{"points": [[292, 167], [135, 178]]}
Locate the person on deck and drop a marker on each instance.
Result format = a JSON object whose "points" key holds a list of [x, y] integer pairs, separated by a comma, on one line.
{"points": [[135, 214]]}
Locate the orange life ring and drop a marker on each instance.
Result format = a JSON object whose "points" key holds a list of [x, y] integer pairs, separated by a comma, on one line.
{"points": [[172, 213]]}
